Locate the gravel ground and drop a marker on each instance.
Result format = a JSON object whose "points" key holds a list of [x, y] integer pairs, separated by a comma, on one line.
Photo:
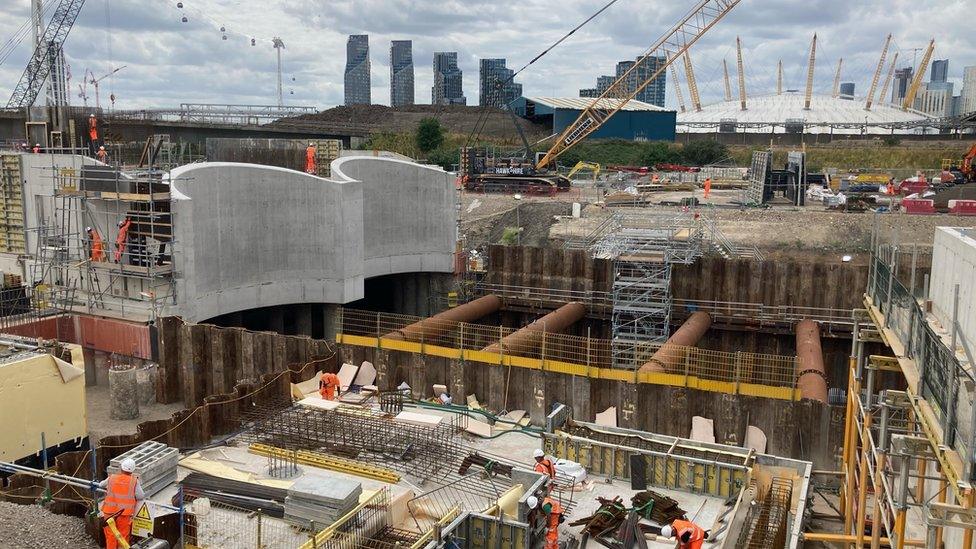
{"points": [[100, 422], [31, 527]]}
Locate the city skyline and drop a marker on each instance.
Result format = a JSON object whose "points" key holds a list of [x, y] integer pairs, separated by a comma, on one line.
{"points": [[191, 63]]}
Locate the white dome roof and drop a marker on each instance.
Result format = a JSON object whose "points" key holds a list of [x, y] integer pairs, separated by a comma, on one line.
{"points": [[825, 111]]}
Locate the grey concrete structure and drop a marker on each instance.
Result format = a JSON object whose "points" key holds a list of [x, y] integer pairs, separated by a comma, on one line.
{"points": [[954, 263], [258, 236]]}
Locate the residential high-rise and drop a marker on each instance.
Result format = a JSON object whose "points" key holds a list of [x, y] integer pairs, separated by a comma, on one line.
{"points": [[847, 90], [401, 73], [448, 86], [495, 84], [903, 79], [968, 101], [934, 99], [940, 71], [356, 80], [646, 67], [653, 93], [602, 84]]}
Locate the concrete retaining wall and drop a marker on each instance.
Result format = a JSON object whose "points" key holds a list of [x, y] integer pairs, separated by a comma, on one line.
{"points": [[252, 236], [954, 262]]}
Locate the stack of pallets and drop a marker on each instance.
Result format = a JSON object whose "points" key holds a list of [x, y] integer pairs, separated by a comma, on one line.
{"points": [[155, 465]]}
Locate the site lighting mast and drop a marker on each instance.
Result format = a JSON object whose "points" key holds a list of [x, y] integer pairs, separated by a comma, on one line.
{"points": [[278, 46]]}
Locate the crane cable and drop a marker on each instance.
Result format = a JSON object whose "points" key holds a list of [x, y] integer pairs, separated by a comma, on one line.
{"points": [[483, 116]]}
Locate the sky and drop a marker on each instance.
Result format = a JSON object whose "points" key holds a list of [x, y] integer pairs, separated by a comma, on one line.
{"points": [[168, 61]]}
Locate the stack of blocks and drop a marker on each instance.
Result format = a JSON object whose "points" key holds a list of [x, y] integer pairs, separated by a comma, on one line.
{"points": [[323, 502], [155, 465]]}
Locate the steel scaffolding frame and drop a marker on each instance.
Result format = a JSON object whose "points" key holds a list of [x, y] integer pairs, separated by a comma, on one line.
{"points": [[140, 281]]}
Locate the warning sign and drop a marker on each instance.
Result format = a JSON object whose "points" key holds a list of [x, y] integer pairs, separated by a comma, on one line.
{"points": [[142, 521]]}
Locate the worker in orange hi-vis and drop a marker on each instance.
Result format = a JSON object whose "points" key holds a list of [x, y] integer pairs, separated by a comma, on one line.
{"points": [[122, 493], [122, 238], [93, 132], [310, 159], [328, 385], [708, 187], [545, 466], [97, 246], [553, 513], [688, 534]]}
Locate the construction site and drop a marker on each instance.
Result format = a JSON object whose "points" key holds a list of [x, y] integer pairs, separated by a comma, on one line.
{"points": [[519, 352]]}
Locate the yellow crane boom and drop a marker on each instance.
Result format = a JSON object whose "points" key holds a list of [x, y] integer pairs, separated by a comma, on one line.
{"points": [[917, 81], [887, 82], [675, 42], [813, 63], [877, 74]]}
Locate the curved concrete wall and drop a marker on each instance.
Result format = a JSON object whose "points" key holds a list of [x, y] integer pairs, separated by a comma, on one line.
{"points": [[251, 236]]}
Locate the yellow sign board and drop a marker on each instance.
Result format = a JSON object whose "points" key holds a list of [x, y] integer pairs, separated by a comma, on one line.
{"points": [[142, 521]]}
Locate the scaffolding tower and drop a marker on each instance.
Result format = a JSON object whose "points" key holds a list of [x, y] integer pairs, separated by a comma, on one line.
{"points": [[643, 249], [104, 238]]}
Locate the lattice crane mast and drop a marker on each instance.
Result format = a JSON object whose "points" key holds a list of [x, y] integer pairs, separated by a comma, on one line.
{"points": [[39, 66], [674, 43]]}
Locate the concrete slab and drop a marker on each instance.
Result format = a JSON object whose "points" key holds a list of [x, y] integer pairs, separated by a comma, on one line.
{"points": [[608, 417], [316, 401], [478, 428], [418, 419], [702, 429]]}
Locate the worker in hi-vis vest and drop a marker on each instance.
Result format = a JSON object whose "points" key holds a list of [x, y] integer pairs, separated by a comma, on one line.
{"points": [[688, 534], [122, 493], [328, 385]]}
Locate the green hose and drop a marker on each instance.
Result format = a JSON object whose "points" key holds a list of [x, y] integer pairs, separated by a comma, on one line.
{"points": [[464, 410]]}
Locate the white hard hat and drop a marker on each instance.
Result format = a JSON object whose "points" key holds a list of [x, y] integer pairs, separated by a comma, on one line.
{"points": [[88, 229], [667, 532], [128, 465], [102, 148], [532, 502], [311, 145], [538, 453], [91, 116]]}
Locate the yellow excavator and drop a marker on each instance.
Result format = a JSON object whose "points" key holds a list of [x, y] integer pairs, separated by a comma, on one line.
{"points": [[581, 165]]}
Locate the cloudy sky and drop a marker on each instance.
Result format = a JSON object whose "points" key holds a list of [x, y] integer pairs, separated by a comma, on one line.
{"points": [[168, 62]]}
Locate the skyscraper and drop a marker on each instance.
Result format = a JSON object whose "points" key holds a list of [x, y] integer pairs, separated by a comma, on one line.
{"points": [[934, 99], [968, 101], [448, 85], [401, 73], [647, 66], [903, 79], [940, 71], [496, 88], [357, 82], [653, 93]]}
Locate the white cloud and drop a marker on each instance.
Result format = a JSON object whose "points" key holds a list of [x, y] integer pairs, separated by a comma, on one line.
{"points": [[169, 62]]}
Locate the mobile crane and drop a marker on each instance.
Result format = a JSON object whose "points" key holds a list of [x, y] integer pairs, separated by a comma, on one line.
{"points": [[480, 170]]}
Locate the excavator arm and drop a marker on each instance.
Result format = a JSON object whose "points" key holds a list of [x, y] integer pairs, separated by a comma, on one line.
{"points": [[671, 46], [967, 167], [581, 165]]}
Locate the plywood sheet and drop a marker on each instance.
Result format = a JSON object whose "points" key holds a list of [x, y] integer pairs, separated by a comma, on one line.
{"points": [[473, 403], [515, 416], [309, 386], [608, 417], [366, 374], [418, 419], [317, 401], [478, 428], [755, 439], [439, 389], [347, 374], [702, 429]]}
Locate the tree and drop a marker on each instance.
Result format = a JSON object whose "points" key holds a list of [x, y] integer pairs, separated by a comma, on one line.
{"points": [[430, 135], [703, 152], [657, 152]]}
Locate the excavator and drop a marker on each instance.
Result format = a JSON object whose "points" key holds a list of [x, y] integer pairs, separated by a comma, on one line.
{"points": [[534, 173], [582, 165], [968, 168]]}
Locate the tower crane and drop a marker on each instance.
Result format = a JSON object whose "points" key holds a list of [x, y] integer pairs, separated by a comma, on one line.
{"points": [[39, 66], [94, 81]]}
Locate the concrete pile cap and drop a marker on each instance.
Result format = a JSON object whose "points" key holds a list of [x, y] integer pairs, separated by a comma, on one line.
{"points": [[333, 491]]}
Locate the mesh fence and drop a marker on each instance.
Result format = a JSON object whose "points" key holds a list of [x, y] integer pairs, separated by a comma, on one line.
{"points": [[219, 525], [941, 374], [499, 342]]}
